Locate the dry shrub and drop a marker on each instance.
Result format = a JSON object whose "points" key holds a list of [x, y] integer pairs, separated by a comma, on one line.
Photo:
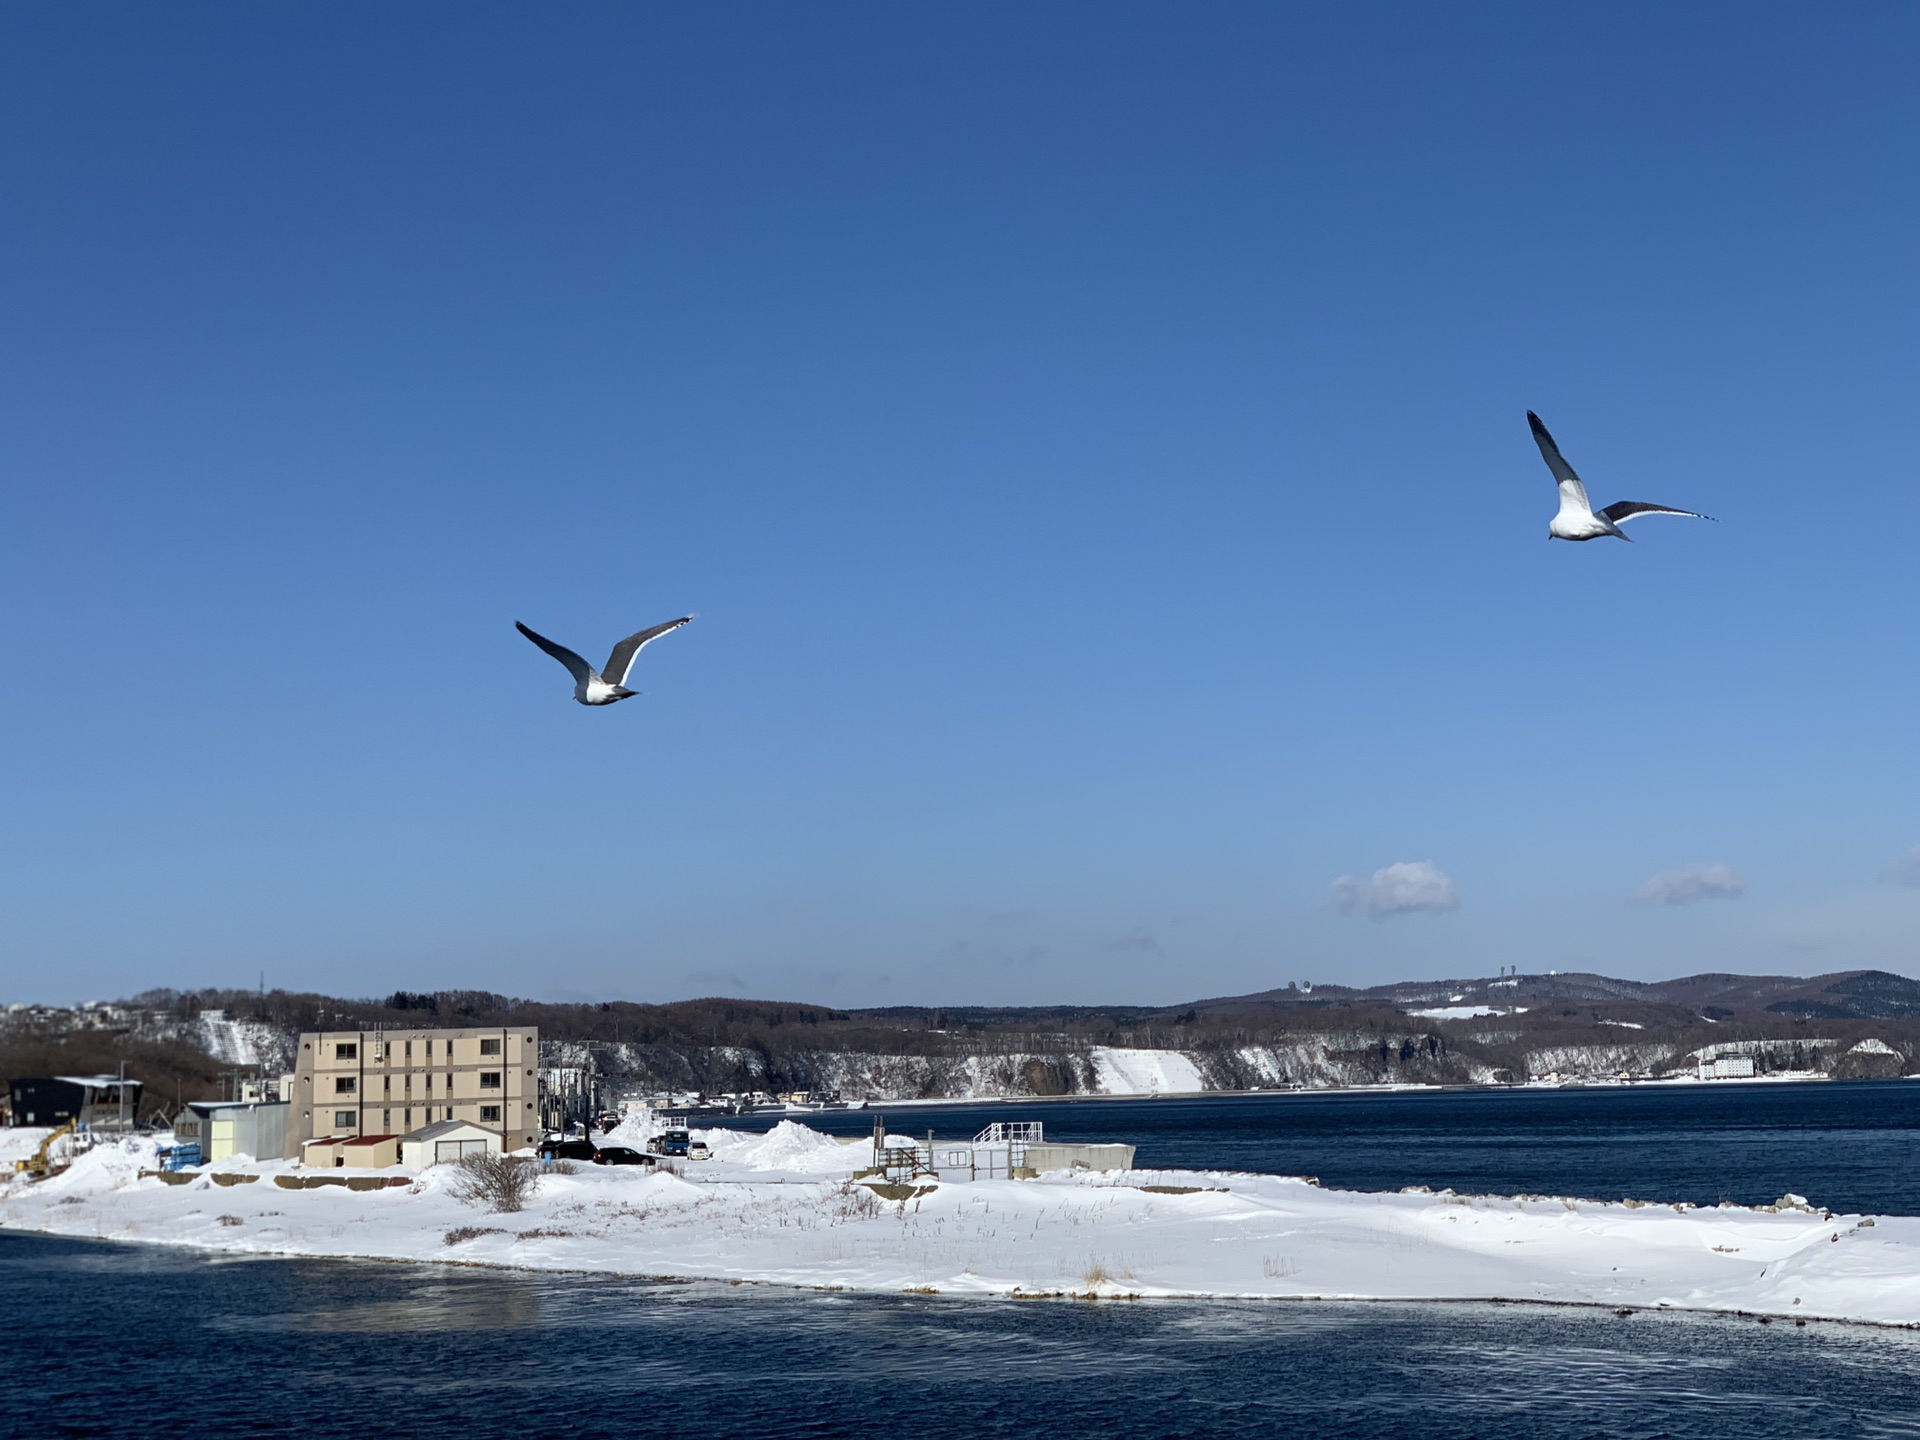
{"points": [[460, 1234], [500, 1182], [231, 1220], [856, 1202]]}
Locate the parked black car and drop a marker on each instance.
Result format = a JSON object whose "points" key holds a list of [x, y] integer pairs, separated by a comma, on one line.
{"points": [[620, 1155], [567, 1150]]}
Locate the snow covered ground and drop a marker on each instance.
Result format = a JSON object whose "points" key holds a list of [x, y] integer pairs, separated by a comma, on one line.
{"points": [[780, 1208], [1145, 1072], [1468, 1012]]}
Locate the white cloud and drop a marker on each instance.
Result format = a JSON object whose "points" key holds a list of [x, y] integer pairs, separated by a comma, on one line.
{"points": [[1408, 888], [1692, 883], [1905, 870]]}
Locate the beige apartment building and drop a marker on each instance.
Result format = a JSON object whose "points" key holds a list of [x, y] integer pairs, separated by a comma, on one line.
{"points": [[353, 1083]]}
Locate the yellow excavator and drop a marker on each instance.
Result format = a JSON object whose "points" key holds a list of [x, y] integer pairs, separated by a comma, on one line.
{"points": [[39, 1165]]}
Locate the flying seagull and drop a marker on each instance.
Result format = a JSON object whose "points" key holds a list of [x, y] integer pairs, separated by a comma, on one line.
{"points": [[590, 686], [1578, 520]]}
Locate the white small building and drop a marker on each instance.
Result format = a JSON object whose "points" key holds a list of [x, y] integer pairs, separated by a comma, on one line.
{"points": [[447, 1142]]}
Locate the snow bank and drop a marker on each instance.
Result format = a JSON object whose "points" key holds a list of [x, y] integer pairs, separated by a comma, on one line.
{"points": [[788, 1147], [18, 1142], [1144, 1072], [1158, 1233]]}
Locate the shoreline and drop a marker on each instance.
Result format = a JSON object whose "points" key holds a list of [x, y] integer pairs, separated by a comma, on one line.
{"points": [[210, 1252], [785, 1210]]}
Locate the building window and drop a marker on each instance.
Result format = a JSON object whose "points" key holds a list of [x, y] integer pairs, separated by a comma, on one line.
{"points": [[490, 1112], [489, 1047], [429, 1082], [345, 1084], [409, 1049], [346, 1052], [489, 1079], [386, 1120], [343, 1118]]}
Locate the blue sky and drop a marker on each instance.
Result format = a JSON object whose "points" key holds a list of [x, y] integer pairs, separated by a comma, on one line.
{"points": [[1093, 439]]}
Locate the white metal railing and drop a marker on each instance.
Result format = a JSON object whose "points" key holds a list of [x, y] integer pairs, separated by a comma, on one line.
{"points": [[1011, 1132]]}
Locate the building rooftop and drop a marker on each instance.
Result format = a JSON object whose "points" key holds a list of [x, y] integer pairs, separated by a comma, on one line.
{"points": [[445, 1127], [93, 1081]]}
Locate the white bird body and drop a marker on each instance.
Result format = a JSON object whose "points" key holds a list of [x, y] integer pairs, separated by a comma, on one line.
{"points": [[595, 691], [1578, 520], [590, 686]]}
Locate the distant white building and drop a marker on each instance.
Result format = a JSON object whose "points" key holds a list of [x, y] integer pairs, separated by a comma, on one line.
{"points": [[1726, 1067]]}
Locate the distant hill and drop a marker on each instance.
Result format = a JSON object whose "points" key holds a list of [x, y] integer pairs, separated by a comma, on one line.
{"points": [[1487, 1030], [1846, 994]]}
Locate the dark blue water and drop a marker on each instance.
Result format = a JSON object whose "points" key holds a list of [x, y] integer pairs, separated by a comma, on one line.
{"points": [[105, 1340], [1851, 1146]]}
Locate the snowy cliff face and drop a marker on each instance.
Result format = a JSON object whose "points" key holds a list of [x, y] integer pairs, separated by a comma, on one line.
{"points": [[244, 1042], [1340, 1059], [1601, 1061], [240, 1043], [1310, 1061], [854, 1075]]}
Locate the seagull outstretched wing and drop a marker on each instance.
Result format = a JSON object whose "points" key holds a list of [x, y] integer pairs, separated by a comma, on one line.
{"points": [[1630, 509], [1573, 495], [620, 663], [578, 668]]}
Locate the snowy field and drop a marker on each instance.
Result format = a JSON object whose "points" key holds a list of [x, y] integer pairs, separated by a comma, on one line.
{"points": [[780, 1209], [1145, 1072]]}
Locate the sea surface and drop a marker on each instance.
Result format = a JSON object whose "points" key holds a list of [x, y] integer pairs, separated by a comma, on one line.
{"points": [[1852, 1146], [98, 1339], [105, 1340]]}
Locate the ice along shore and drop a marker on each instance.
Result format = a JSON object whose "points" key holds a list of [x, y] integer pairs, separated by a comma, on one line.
{"points": [[781, 1209]]}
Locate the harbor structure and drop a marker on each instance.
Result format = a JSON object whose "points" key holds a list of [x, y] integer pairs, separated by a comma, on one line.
{"points": [[1005, 1150]]}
